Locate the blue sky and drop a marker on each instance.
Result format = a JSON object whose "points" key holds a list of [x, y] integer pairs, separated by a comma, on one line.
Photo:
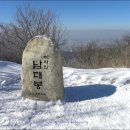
{"points": [[78, 14]]}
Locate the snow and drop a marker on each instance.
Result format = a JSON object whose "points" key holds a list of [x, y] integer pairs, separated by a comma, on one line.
{"points": [[94, 99], [43, 37]]}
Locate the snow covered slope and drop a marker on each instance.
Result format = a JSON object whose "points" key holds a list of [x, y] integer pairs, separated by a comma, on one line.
{"points": [[94, 99]]}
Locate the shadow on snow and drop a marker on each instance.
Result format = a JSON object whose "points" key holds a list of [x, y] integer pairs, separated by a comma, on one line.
{"points": [[88, 92]]}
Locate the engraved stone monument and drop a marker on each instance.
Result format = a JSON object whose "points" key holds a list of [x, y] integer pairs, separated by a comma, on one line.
{"points": [[42, 76]]}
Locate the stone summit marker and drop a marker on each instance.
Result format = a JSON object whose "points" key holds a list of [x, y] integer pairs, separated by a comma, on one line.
{"points": [[42, 76]]}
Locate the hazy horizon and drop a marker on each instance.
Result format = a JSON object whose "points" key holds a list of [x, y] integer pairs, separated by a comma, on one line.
{"points": [[97, 34], [85, 20]]}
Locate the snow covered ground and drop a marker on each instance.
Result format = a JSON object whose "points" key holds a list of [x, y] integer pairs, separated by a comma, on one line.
{"points": [[94, 99]]}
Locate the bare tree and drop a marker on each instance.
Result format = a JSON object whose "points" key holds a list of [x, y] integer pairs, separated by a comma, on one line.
{"points": [[126, 38], [28, 23]]}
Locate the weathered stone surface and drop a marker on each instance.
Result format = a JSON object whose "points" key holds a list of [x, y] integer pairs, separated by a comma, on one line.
{"points": [[42, 76]]}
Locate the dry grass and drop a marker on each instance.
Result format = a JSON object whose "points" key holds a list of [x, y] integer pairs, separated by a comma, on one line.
{"points": [[91, 55]]}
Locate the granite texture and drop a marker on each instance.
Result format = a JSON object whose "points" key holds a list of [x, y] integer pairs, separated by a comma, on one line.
{"points": [[42, 75]]}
